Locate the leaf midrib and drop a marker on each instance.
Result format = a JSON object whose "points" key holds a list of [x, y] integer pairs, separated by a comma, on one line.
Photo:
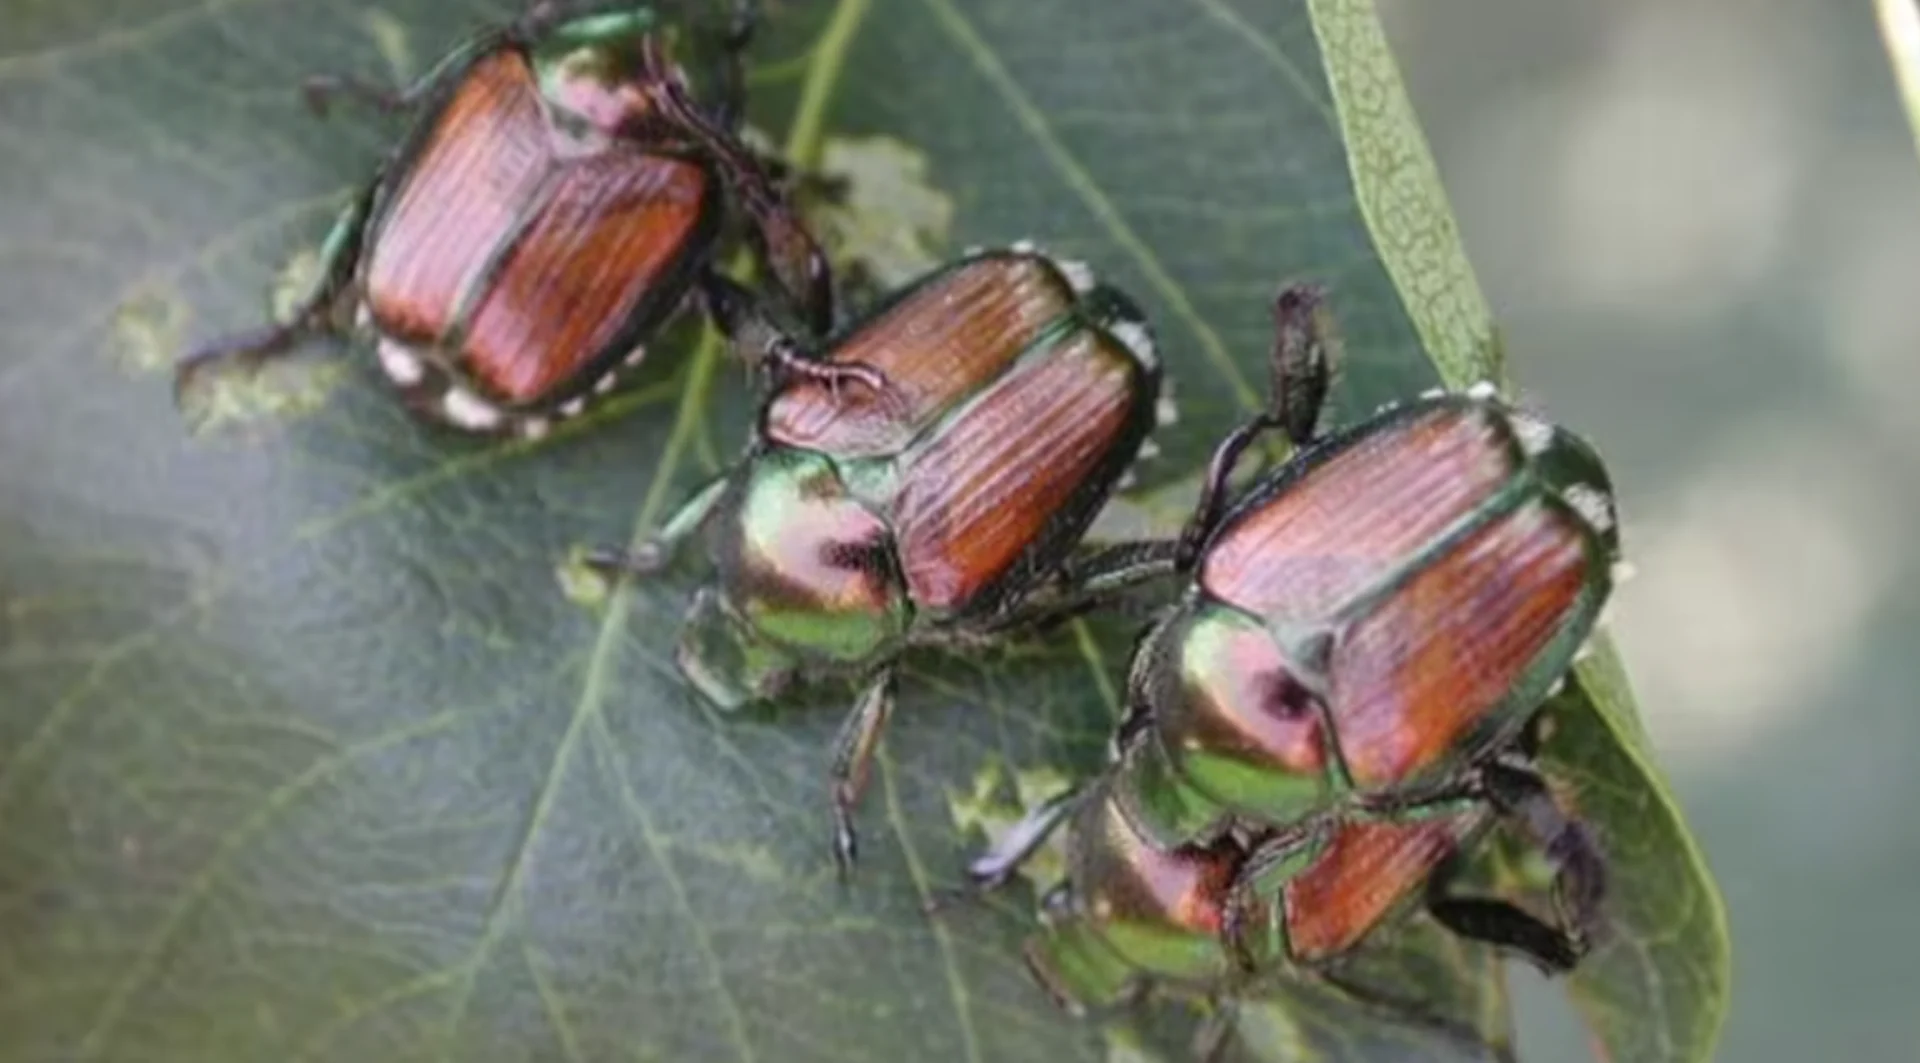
{"points": [[828, 60]]}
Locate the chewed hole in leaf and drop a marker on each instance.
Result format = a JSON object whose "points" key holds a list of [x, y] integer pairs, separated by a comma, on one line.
{"points": [[985, 810], [879, 214], [581, 583], [148, 329], [368, 750]]}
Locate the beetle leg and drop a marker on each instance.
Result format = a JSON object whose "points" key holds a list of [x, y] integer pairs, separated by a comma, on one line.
{"points": [[1092, 577], [1579, 881], [1504, 925], [1106, 570], [733, 310], [1468, 787], [321, 90], [1305, 346], [1580, 877], [1300, 364], [1213, 491], [995, 867], [784, 358], [657, 552], [741, 22], [1148, 662], [779, 238], [853, 753], [339, 252], [1264, 871]]}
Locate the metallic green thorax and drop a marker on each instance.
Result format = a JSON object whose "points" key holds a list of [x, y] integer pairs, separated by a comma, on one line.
{"points": [[1236, 703], [599, 49], [810, 575], [1201, 668], [598, 31], [807, 565], [1130, 907]]}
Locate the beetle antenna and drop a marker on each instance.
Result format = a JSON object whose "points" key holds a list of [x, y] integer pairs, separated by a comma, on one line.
{"points": [[782, 242], [736, 313], [1304, 339]]}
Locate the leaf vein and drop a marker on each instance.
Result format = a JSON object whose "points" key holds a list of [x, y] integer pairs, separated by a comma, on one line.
{"points": [[956, 984], [131, 37], [1081, 181], [147, 960], [657, 849], [1220, 12], [550, 1001]]}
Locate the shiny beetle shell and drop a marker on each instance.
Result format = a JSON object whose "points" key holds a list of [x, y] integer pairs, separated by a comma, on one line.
{"points": [[520, 263], [1132, 911], [1368, 872], [1012, 409], [1384, 607], [559, 197], [1016, 410], [938, 507]]}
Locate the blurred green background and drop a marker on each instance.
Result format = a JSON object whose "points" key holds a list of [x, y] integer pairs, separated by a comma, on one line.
{"points": [[1699, 224]]}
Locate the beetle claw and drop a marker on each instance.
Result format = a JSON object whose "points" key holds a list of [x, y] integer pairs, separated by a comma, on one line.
{"points": [[320, 90], [248, 349], [867, 377], [835, 375], [646, 559], [846, 845], [189, 368]]}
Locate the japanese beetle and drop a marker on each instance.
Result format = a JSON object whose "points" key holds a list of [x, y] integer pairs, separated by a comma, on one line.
{"points": [[944, 510], [558, 198], [1374, 615], [1134, 914]]}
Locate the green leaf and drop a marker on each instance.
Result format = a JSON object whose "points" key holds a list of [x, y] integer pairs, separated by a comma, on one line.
{"points": [[1658, 990], [314, 746]]}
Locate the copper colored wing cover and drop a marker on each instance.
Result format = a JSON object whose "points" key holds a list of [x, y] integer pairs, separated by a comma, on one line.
{"points": [[1367, 869], [473, 176], [1413, 677], [942, 342], [975, 497], [605, 228], [1358, 515], [613, 227]]}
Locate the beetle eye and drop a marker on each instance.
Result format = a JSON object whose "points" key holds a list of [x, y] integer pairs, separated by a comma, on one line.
{"points": [[866, 555], [1289, 699]]}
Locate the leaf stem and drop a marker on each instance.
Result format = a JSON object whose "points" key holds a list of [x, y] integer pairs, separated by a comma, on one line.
{"points": [[701, 370], [826, 59], [823, 73], [1401, 199]]}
